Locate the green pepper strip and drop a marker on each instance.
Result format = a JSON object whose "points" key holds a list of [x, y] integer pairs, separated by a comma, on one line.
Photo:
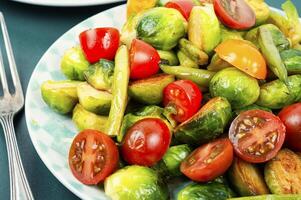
{"points": [[271, 54], [119, 91]]}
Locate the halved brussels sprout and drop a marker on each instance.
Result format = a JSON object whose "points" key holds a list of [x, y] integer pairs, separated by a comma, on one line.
{"points": [[93, 100], [161, 27], [168, 57], [74, 63], [261, 10], [203, 28], [209, 191], [292, 60], [283, 173], [208, 123], [135, 183], [150, 90], [239, 88], [100, 75], [230, 33], [84, 119], [185, 61], [247, 178], [61, 96]]}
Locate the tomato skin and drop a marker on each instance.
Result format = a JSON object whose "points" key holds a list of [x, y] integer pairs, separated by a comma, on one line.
{"points": [[146, 142], [208, 161], [291, 117], [99, 43], [257, 135], [88, 156], [244, 56], [144, 60], [243, 18], [184, 96], [183, 6]]}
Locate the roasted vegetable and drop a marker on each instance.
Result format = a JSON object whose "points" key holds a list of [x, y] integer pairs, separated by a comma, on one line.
{"points": [[239, 88], [250, 107], [203, 28], [209, 191], [161, 27], [74, 63], [136, 6], [100, 75], [276, 94], [168, 57], [217, 64], [185, 61], [135, 183], [270, 197], [61, 96], [227, 34], [150, 90], [261, 10], [247, 178], [283, 173], [206, 124], [292, 60], [84, 119]]}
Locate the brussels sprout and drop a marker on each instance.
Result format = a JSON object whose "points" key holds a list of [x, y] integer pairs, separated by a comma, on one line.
{"points": [[96, 101], [207, 191], [203, 28], [247, 179], [261, 10], [279, 39], [61, 96], [185, 61], [170, 164], [251, 107], [150, 90], [230, 34], [84, 119], [168, 57], [276, 94], [217, 63], [208, 123], [74, 63], [270, 197], [161, 27], [283, 173], [292, 60], [100, 75], [239, 88], [135, 183]]}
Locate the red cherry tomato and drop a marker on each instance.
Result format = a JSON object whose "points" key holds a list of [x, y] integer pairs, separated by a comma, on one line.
{"points": [[291, 117], [144, 60], [183, 6], [99, 43], [236, 14], [257, 135], [93, 156], [146, 142], [184, 96], [208, 161]]}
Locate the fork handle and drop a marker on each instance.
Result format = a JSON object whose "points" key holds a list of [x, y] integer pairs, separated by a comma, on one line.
{"points": [[19, 187]]}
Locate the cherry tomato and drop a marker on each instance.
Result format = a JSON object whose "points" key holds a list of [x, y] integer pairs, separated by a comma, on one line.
{"points": [[291, 117], [208, 161], [92, 157], [146, 142], [236, 14], [183, 6], [244, 56], [257, 135], [144, 60], [184, 96], [99, 43]]}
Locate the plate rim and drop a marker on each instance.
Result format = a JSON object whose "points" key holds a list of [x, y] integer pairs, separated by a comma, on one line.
{"points": [[68, 3]]}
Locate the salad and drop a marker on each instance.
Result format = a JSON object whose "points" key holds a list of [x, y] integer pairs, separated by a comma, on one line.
{"points": [[191, 99]]}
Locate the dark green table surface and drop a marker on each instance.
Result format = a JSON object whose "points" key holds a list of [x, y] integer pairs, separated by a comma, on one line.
{"points": [[32, 30]]}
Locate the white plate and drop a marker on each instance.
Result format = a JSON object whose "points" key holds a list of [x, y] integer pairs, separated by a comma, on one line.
{"points": [[68, 3]]}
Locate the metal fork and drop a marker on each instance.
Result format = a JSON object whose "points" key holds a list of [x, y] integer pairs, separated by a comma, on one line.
{"points": [[10, 104]]}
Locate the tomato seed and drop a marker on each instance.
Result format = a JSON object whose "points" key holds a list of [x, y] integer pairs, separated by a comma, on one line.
{"points": [[274, 137], [270, 146], [248, 122]]}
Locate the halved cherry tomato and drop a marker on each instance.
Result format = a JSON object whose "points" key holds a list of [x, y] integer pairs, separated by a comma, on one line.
{"points": [[99, 43], [244, 56], [184, 96], [291, 117], [236, 14], [146, 142], [93, 156], [208, 161], [183, 6], [257, 135], [144, 60]]}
